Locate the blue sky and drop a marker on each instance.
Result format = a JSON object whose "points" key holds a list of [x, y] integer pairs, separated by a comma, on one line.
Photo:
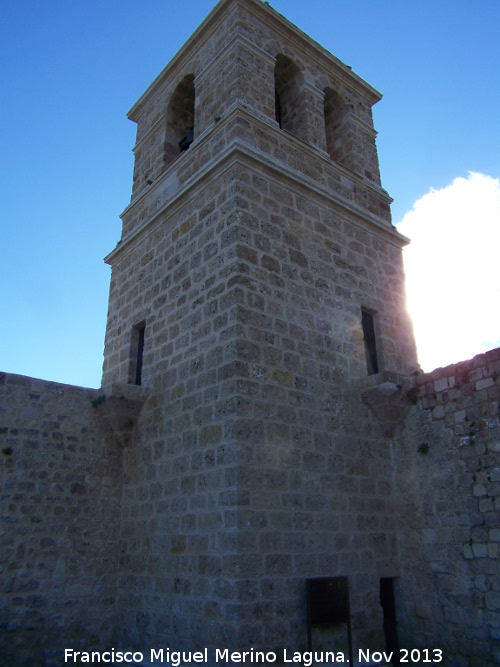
{"points": [[70, 70]]}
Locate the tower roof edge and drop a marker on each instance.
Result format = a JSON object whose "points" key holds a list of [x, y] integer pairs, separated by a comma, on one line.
{"points": [[209, 20], [270, 15]]}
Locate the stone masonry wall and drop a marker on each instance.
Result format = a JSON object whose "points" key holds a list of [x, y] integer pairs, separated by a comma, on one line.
{"points": [[314, 481], [447, 476], [248, 260], [256, 464], [178, 501], [60, 495], [279, 147]]}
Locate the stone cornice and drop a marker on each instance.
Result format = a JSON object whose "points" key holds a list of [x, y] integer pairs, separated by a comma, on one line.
{"points": [[364, 126], [239, 151], [266, 122]]}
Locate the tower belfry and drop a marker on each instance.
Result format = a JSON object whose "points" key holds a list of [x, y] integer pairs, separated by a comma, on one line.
{"points": [[256, 292]]}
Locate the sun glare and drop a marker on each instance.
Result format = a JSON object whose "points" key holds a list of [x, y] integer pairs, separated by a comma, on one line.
{"points": [[451, 265]]}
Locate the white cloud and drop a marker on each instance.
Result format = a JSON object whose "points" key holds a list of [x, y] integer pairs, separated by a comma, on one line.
{"points": [[453, 270]]}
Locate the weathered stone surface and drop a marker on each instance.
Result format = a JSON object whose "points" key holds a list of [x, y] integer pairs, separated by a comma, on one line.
{"points": [[61, 490], [449, 487]]}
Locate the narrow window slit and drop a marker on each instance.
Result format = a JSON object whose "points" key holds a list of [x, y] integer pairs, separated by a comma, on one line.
{"points": [[137, 353], [368, 325]]}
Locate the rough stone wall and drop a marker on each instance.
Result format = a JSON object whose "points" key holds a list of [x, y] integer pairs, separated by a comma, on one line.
{"points": [[60, 495], [310, 503], [447, 477]]}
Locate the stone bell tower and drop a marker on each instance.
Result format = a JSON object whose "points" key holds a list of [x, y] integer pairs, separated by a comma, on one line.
{"points": [[257, 291]]}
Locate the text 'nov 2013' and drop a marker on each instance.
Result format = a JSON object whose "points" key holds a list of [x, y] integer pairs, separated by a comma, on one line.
{"points": [[227, 656]]}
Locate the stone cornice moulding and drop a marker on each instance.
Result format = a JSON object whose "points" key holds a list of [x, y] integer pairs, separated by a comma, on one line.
{"points": [[364, 126], [269, 123], [238, 152], [232, 156]]}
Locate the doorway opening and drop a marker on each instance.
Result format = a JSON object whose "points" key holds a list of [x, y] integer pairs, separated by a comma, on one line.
{"points": [[388, 605]]}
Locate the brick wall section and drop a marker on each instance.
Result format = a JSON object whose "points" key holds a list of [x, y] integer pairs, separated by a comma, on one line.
{"points": [[447, 470], [60, 495]]}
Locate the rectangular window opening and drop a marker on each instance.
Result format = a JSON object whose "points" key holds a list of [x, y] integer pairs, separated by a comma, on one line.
{"points": [[368, 325], [136, 354]]}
